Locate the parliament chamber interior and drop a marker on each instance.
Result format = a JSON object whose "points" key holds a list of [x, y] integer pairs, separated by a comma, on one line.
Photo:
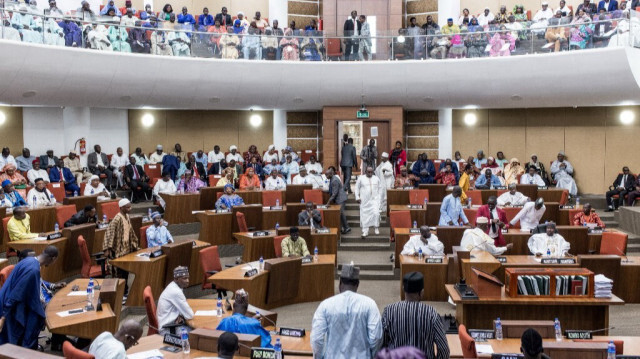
{"points": [[320, 178]]}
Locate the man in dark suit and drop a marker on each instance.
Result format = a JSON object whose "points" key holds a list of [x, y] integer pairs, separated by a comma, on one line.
{"points": [[588, 7], [224, 18], [217, 167], [337, 196], [197, 168], [98, 164], [48, 160], [624, 183], [607, 5], [135, 177], [347, 163], [352, 29], [60, 174]]}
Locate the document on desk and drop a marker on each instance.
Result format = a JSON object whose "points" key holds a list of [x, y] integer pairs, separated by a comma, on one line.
{"points": [[196, 212], [69, 312], [155, 353], [77, 293], [40, 239], [145, 254], [206, 313], [484, 348]]}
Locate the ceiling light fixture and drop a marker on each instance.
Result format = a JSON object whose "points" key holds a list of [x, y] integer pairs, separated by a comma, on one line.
{"points": [[29, 94], [147, 120], [470, 119], [3, 118], [627, 117], [255, 120]]}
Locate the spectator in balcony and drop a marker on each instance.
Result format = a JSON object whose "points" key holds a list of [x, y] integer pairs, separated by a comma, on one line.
{"points": [[414, 41], [502, 43], [607, 5], [351, 30], [110, 5], [512, 170], [147, 13], [518, 30], [23, 21], [229, 44], [541, 20], [160, 45], [224, 18], [216, 32], [139, 44], [118, 36], [430, 26], [440, 46], [457, 49], [501, 17], [556, 34], [72, 33], [260, 22], [486, 17], [166, 13], [310, 47], [243, 20], [464, 18], [476, 43], [365, 40], [238, 29], [251, 46], [566, 10], [279, 33], [98, 38], [580, 17], [187, 20], [206, 19], [562, 173], [179, 42], [53, 10], [129, 19], [269, 43], [450, 28], [601, 33], [587, 8], [111, 13], [289, 45], [84, 12], [519, 13], [581, 34], [474, 26]]}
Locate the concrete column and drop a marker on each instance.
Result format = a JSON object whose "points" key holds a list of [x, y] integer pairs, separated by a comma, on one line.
{"points": [[445, 133], [447, 9], [280, 129], [279, 10]]}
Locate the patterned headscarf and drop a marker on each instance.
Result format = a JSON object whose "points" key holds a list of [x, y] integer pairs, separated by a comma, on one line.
{"points": [[9, 166]]}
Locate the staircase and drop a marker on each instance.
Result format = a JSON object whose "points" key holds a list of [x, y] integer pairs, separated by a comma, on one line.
{"points": [[610, 220]]}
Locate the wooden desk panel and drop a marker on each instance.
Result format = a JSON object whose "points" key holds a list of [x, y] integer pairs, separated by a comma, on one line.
{"points": [[256, 247], [418, 215], [526, 261], [252, 216], [295, 192], [81, 201], [327, 243], [450, 236], [397, 196], [481, 260], [331, 217], [272, 216], [251, 197], [529, 190], [54, 272], [550, 194], [215, 228], [293, 210], [628, 288], [42, 219], [437, 192], [179, 207], [435, 277], [433, 213], [402, 236], [208, 197], [551, 212]]}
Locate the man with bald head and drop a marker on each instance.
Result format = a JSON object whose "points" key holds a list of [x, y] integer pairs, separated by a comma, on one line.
{"points": [[107, 345], [451, 212]]}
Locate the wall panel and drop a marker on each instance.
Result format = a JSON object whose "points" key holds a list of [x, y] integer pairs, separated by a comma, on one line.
{"points": [[585, 146], [476, 7], [507, 132], [469, 139], [11, 131]]}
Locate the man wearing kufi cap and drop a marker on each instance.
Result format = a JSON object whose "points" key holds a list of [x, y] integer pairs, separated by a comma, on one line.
{"points": [[234, 155], [72, 162], [414, 323], [157, 156], [37, 172], [562, 174], [346, 325], [384, 171], [240, 323], [120, 239], [478, 239], [172, 305], [271, 154]]}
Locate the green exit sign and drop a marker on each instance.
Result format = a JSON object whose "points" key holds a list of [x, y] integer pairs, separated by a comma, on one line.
{"points": [[362, 114]]}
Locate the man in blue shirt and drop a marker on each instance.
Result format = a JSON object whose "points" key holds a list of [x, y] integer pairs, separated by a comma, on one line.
{"points": [[488, 181], [205, 19], [240, 323], [157, 233], [186, 19], [479, 160], [451, 212]]}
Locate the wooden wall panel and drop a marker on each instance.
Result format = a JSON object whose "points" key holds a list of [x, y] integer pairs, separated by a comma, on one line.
{"points": [[507, 132], [302, 132], [584, 140], [11, 133], [423, 130], [469, 139], [622, 144]]}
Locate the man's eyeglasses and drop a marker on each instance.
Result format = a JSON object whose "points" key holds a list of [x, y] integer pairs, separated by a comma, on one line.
{"points": [[132, 338]]}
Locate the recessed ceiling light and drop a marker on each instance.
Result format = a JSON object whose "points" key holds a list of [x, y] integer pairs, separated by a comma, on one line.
{"points": [[147, 120], [255, 120], [125, 98], [298, 100], [627, 117], [214, 99], [516, 98], [470, 119], [29, 94]]}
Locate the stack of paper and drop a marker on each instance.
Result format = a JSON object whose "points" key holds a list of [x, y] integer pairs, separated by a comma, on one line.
{"points": [[604, 286]]}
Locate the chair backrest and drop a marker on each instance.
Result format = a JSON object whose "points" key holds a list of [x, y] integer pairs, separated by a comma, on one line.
{"points": [[57, 190], [269, 198], [277, 245], [150, 308], [218, 195], [572, 213], [213, 180], [210, 261], [71, 352], [5, 273], [467, 343], [111, 209], [63, 213], [5, 233], [564, 198], [614, 243], [242, 222], [313, 195], [417, 196], [399, 219], [153, 171], [476, 197], [333, 47], [143, 237], [84, 254], [82, 186]]}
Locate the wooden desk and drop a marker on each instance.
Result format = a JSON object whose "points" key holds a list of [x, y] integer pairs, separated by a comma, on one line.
{"points": [[550, 194], [418, 215], [628, 286], [529, 190], [574, 313], [402, 236], [576, 236], [81, 201], [251, 197], [435, 276], [208, 197], [551, 212], [437, 192], [252, 216], [527, 261], [152, 271], [215, 228], [179, 207], [10, 351], [256, 247], [88, 324], [481, 260], [449, 236], [316, 282], [295, 192], [331, 215], [272, 216], [433, 213], [56, 271], [397, 196]]}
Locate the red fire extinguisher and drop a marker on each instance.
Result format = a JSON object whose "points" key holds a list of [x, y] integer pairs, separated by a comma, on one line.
{"points": [[320, 25], [83, 146]]}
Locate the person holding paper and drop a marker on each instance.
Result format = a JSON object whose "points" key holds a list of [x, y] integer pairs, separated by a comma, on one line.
{"points": [[426, 241], [172, 305], [551, 242], [19, 226], [477, 238]]}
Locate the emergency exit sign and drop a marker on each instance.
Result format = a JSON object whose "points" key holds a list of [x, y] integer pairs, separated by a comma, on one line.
{"points": [[362, 114]]}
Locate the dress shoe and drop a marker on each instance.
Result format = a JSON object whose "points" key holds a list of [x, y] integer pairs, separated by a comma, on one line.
{"points": [[376, 231]]}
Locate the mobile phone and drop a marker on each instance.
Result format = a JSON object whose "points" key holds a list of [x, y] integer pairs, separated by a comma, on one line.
{"points": [[171, 349]]}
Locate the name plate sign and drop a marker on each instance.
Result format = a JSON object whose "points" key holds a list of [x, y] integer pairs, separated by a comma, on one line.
{"points": [[306, 260], [414, 230], [434, 260], [502, 259], [323, 230], [578, 334], [155, 254], [55, 235], [506, 356], [172, 340], [260, 234], [480, 335], [226, 210], [558, 261], [322, 206], [251, 272], [542, 187], [415, 206], [292, 332], [263, 353]]}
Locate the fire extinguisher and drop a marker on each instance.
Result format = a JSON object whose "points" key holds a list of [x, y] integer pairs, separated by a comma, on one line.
{"points": [[83, 145], [320, 25]]}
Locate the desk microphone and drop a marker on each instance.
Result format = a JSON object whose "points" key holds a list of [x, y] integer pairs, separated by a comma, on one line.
{"points": [[601, 330], [625, 260], [270, 321], [74, 303]]}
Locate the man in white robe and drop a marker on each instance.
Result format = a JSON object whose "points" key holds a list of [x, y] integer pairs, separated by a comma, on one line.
{"points": [[53, 33], [234, 155], [530, 215], [7, 31], [119, 161], [98, 38], [532, 177], [37, 172], [384, 171], [304, 178], [486, 17], [368, 196], [541, 19], [271, 154], [477, 238], [428, 242], [39, 196], [548, 242], [275, 182], [164, 186], [23, 21], [512, 198], [180, 43], [562, 171], [160, 46], [314, 168]]}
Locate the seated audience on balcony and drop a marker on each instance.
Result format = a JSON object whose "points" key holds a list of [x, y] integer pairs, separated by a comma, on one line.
{"points": [[224, 18], [486, 17], [587, 8], [541, 20], [110, 6], [53, 33], [311, 46], [166, 13], [476, 43], [84, 12], [580, 36], [160, 46], [98, 38], [465, 18], [289, 46], [450, 28], [562, 174], [147, 13], [229, 44], [440, 46], [502, 43], [138, 40], [205, 19], [187, 20], [601, 32], [72, 32], [24, 22], [556, 34], [119, 36], [179, 41], [129, 19], [251, 45], [269, 43], [580, 17], [607, 5], [244, 23], [260, 22], [502, 15]]}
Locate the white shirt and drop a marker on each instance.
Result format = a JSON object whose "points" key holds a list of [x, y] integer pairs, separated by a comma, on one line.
{"points": [[156, 158], [172, 303], [214, 157], [42, 198], [308, 179], [543, 15], [119, 161], [485, 20], [32, 175], [5, 202], [536, 179], [433, 247], [475, 238], [237, 157], [99, 158], [89, 190], [4, 161], [266, 159], [529, 216], [517, 199], [106, 346], [556, 244], [140, 160], [317, 167], [161, 186], [271, 184]]}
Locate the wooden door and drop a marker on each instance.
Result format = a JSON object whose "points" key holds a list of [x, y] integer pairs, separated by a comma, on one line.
{"points": [[382, 140]]}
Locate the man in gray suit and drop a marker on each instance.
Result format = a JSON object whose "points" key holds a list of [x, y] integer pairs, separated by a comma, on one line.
{"points": [[347, 163], [98, 164], [338, 196], [48, 160]]}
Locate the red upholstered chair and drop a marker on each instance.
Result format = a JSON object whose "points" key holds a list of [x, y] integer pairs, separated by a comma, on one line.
{"points": [[10, 251], [210, 262], [111, 209], [218, 195], [467, 343], [572, 213], [143, 237], [269, 198], [242, 223], [71, 352], [313, 195], [63, 213], [501, 191], [153, 182], [88, 269], [57, 189], [436, 165], [334, 48], [82, 187], [417, 196], [153, 171], [322, 217], [5, 273], [476, 197], [150, 307], [471, 214], [306, 155], [564, 198], [399, 219], [213, 180], [613, 243], [277, 245]]}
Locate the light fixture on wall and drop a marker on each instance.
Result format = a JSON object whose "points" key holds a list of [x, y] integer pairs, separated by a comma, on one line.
{"points": [[470, 119], [147, 120], [3, 118], [627, 117], [255, 120]]}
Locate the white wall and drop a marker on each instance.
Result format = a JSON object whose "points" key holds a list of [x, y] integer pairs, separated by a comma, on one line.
{"points": [[445, 132], [278, 10], [280, 128], [448, 9]]}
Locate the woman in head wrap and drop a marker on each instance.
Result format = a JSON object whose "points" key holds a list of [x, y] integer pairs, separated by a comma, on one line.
{"points": [[95, 187], [512, 170], [229, 198], [253, 152], [250, 181], [227, 177], [18, 181], [289, 45], [398, 157], [190, 183], [519, 13], [237, 27]]}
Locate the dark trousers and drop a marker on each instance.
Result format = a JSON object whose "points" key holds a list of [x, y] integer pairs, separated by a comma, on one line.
{"points": [[122, 274], [343, 217], [351, 50], [632, 197], [73, 188], [614, 192], [109, 181], [138, 193], [346, 172]]}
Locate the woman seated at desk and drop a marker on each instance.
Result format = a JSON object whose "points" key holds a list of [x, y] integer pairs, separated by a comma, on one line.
{"points": [[229, 199], [95, 187], [190, 183]]}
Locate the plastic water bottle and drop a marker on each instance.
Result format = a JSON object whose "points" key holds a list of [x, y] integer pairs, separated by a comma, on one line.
{"points": [[91, 285], [149, 213], [420, 254], [261, 264], [186, 348], [577, 201], [52, 199], [35, 202], [104, 218], [219, 312], [75, 193], [611, 351], [558, 331], [415, 224], [315, 254], [56, 228], [302, 200], [498, 329], [278, 349], [548, 252], [90, 293], [425, 203], [277, 202], [277, 225], [469, 202]]}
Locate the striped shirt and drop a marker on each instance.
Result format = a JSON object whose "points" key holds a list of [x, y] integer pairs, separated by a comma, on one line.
{"points": [[414, 324]]}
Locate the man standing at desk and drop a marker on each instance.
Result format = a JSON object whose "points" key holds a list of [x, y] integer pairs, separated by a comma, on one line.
{"points": [[240, 323], [426, 241], [157, 233], [172, 305], [477, 238], [497, 220], [549, 242], [293, 245], [512, 198], [310, 217], [451, 212], [530, 215], [338, 196], [120, 240]]}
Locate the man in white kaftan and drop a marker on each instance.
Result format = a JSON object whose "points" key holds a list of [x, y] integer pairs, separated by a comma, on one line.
{"points": [[562, 172], [384, 171], [368, 195]]}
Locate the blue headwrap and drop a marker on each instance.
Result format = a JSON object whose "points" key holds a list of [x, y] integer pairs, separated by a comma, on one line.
{"points": [[237, 29], [230, 186], [6, 183]]}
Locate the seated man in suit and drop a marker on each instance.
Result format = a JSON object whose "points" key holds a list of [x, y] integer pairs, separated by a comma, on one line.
{"points": [[136, 179], [623, 184], [310, 216], [497, 220], [61, 174], [48, 160], [98, 164], [607, 5]]}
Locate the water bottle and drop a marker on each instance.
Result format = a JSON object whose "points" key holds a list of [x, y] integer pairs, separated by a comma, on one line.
{"points": [[35, 202], [278, 349], [219, 313], [75, 193], [104, 218], [548, 252], [315, 254], [611, 350], [277, 226], [425, 202], [415, 224], [149, 213], [261, 264], [469, 203], [556, 328], [577, 201], [277, 202], [56, 228], [92, 192], [498, 329], [90, 294], [186, 348], [52, 199], [302, 201], [91, 285], [420, 254]]}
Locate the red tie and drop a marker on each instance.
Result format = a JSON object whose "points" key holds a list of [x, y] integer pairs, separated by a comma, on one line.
{"points": [[61, 176], [135, 172]]}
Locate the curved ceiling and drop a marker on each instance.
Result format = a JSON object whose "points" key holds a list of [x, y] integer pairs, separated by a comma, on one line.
{"points": [[39, 75]]}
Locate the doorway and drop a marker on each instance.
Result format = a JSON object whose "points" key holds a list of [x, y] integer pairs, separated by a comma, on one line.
{"points": [[362, 132]]}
